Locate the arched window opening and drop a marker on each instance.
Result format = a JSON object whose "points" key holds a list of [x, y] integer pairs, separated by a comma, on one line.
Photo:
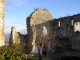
{"points": [[44, 31], [72, 22], [58, 23], [78, 26]]}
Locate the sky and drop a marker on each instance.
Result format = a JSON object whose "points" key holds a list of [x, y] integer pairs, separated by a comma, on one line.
{"points": [[16, 11]]}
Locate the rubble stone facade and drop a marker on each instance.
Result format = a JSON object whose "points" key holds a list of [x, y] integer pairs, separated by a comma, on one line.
{"points": [[35, 22], [16, 37], [69, 28], [2, 40], [64, 28]]}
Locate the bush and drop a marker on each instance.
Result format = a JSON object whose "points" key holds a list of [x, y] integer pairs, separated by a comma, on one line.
{"points": [[11, 53]]}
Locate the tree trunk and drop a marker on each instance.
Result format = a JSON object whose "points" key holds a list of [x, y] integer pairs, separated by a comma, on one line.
{"points": [[40, 53]]}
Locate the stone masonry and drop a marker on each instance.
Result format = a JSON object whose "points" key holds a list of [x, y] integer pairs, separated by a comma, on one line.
{"points": [[2, 41], [35, 22], [18, 38], [64, 28], [68, 27]]}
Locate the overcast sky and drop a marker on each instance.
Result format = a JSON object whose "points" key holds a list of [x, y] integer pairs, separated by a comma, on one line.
{"points": [[16, 11]]}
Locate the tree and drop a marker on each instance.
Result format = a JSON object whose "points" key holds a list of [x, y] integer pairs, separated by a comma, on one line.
{"points": [[40, 43], [42, 40]]}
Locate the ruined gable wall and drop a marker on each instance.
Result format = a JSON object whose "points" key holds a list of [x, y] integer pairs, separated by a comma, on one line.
{"points": [[35, 22], [40, 16], [62, 27]]}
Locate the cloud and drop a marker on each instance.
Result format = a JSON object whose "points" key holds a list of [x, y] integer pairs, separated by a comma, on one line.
{"points": [[17, 3], [20, 27], [22, 3], [19, 23]]}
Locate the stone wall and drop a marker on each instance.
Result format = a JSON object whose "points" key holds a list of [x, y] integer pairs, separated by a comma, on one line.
{"points": [[19, 39], [16, 37], [68, 27], [64, 27], [2, 38], [58, 31], [35, 22]]}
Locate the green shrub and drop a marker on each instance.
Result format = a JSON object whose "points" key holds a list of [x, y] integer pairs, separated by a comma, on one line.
{"points": [[11, 53]]}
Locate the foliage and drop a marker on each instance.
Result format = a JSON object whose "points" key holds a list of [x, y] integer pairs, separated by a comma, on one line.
{"points": [[11, 53]]}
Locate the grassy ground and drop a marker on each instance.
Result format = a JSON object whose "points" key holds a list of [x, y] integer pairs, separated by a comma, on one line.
{"points": [[36, 58], [33, 58], [56, 56]]}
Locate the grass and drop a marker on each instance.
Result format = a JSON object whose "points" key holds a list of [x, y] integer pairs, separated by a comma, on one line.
{"points": [[56, 56], [37, 58], [33, 58]]}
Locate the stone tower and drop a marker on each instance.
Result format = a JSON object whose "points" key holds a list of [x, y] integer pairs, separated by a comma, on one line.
{"points": [[1, 22]]}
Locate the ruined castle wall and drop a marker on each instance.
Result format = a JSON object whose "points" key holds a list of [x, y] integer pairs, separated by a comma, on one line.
{"points": [[61, 27], [16, 37], [35, 22], [68, 27], [19, 39], [75, 40]]}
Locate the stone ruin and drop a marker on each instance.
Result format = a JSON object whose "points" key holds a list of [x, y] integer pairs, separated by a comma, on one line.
{"points": [[62, 33]]}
